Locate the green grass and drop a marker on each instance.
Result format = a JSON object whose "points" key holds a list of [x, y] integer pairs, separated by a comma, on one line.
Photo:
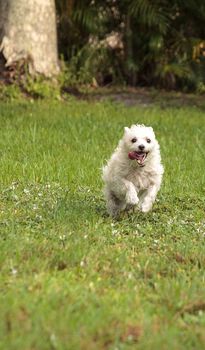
{"points": [[73, 278]]}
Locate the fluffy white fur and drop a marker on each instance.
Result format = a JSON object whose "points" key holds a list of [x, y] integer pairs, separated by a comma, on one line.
{"points": [[129, 183]]}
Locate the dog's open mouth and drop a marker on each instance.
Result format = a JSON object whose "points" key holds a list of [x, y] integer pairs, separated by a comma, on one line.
{"points": [[138, 156]]}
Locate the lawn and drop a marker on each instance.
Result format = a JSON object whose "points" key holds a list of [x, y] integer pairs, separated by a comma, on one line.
{"points": [[73, 278]]}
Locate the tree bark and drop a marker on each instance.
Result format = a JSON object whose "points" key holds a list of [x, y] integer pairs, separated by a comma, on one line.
{"points": [[28, 32]]}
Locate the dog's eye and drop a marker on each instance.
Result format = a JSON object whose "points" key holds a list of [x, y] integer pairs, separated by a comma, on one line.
{"points": [[134, 140], [148, 140]]}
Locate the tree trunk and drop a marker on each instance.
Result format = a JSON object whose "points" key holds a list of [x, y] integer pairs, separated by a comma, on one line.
{"points": [[28, 32]]}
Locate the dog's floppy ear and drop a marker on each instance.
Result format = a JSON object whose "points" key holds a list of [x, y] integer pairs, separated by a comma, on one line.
{"points": [[126, 129]]}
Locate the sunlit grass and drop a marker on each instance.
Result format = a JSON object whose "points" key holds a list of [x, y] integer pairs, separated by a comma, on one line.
{"points": [[71, 277]]}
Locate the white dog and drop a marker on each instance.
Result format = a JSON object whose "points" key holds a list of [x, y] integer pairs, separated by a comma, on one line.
{"points": [[133, 175]]}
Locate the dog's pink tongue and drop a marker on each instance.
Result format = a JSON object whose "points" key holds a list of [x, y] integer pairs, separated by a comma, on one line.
{"points": [[138, 156], [132, 155]]}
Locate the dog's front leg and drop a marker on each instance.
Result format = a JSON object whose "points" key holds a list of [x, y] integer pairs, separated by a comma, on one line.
{"points": [[149, 199], [125, 191], [120, 195], [131, 196]]}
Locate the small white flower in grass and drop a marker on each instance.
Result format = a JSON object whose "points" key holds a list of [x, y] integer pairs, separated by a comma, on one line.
{"points": [[114, 232], [136, 233], [53, 339], [156, 241], [26, 191], [62, 238], [85, 236], [91, 286], [14, 271], [130, 337], [40, 194], [82, 263], [129, 276], [169, 222], [35, 207]]}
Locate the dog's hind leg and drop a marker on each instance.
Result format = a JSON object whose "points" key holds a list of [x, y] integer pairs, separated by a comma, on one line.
{"points": [[114, 205]]}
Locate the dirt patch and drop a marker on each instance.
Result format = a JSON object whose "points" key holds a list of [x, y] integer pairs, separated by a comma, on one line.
{"points": [[143, 97], [132, 334], [192, 308]]}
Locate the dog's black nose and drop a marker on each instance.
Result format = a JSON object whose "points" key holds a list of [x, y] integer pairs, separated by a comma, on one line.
{"points": [[141, 147]]}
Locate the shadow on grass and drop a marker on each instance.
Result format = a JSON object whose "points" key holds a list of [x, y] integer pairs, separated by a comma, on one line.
{"points": [[79, 208], [93, 206]]}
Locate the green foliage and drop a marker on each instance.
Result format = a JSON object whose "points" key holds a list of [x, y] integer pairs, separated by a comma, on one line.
{"points": [[83, 68], [151, 14], [201, 88], [39, 87], [10, 92], [71, 277], [161, 41]]}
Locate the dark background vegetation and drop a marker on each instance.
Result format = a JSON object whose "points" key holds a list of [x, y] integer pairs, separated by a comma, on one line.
{"points": [[157, 43]]}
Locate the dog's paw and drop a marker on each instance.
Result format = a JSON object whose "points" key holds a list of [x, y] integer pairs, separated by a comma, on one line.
{"points": [[145, 208], [131, 198]]}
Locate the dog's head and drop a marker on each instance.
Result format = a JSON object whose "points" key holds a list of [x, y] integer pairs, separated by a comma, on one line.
{"points": [[139, 142]]}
